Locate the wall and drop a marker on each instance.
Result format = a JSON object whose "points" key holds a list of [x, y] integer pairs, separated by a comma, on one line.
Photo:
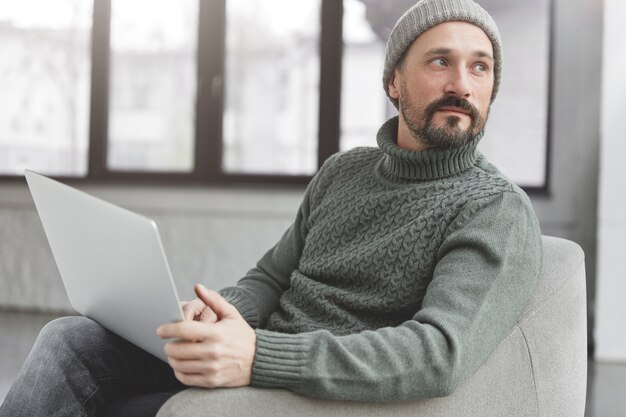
{"points": [[210, 235], [611, 312], [569, 209]]}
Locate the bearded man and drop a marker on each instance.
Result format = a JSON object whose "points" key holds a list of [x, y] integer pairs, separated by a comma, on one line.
{"points": [[404, 268]]}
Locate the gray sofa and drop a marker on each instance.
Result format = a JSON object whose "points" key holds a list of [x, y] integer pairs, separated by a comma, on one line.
{"points": [[540, 369]]}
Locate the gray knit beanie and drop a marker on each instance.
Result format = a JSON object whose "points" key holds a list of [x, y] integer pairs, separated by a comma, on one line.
{"points": [[428, 13]]}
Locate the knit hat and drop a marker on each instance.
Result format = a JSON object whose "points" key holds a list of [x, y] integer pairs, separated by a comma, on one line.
{"points": [[428, 13]]}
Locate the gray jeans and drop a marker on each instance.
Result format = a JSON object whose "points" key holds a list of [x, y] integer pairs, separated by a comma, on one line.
{"points": [[78, 368]]}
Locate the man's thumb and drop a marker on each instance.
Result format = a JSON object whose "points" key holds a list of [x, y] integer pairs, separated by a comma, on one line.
{"points": [[214, 301]]}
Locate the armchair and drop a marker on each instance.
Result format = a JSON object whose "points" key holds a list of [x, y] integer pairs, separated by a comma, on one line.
{"points": [[539, 369]]}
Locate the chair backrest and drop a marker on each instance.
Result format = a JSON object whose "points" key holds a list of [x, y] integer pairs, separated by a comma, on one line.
{"points": [[540, 368]]}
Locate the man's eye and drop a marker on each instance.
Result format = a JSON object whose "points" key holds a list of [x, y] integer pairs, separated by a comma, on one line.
{"points": [[440, 62], [481, 67]]}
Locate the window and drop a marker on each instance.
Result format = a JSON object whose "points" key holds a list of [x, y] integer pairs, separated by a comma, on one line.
{"points": [[516, 137], [272, 86], [152, 85], [45, 78], [232, 90], [363, 63]]}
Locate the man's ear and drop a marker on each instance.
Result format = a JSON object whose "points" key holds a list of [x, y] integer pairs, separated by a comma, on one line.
{"points": [[394, 86]]}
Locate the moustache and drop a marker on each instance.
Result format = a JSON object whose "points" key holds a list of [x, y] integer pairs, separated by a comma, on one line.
{"points": [[451, 101]]}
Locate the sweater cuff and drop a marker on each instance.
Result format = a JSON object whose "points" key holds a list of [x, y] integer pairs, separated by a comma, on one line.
{"points": [[280, 359], [246, 308]]}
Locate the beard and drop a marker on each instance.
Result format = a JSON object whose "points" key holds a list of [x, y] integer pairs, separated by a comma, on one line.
{"points": [[450, 135]]}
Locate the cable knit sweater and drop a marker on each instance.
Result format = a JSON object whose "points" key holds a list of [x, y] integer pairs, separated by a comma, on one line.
{"points": [[401, 273]]}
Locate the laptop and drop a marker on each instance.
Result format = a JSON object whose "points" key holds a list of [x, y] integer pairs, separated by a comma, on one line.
{"points": [[111, 261]]}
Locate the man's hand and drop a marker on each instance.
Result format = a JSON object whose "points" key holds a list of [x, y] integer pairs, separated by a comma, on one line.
{"points": [[211, 355]]}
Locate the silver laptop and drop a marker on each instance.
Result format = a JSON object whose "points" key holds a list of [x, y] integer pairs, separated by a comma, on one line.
{"points": [[111, 261]]}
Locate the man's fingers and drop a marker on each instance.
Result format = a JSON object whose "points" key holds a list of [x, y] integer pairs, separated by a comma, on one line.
{"points": [[208, 316], [197, 310], [191, 309], [184, 351], [187, 330], [218, 355], [215, 301], [193, 380], [187, 366]]}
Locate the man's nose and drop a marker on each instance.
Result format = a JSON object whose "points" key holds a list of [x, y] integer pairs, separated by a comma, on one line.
{"points": [[458, 84]]}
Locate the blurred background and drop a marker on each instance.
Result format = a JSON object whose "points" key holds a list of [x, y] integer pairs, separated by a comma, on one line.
{"points": [[210, 116]]}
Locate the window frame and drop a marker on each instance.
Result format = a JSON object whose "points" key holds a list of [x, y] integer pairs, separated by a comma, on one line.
{"points": [[208, 146]]}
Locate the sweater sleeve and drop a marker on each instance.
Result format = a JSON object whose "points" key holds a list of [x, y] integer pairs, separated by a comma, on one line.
{"points": [[486, 270], [257, 294]]}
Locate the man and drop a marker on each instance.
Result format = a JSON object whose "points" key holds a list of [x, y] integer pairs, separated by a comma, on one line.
{"points": [[403, 270]]}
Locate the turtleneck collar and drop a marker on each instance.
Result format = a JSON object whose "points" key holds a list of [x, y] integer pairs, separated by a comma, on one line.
{"points": [[430, 164]]}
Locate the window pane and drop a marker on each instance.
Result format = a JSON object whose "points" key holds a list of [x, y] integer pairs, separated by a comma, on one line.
{"points": [[364, 106], [516, 135], [272, 86], [152, 85], [516, 138], [45, 79]]}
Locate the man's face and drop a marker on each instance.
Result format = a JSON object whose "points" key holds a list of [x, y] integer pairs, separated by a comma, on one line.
{"points": [[444, 85]]}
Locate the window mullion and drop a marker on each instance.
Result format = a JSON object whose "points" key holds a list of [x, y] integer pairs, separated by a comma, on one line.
{"points": [[330, 79], [210, 96], [100, 53]]}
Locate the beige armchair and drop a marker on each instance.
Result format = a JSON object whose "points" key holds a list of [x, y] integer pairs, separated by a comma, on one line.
{"points": [[540, 369]]}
